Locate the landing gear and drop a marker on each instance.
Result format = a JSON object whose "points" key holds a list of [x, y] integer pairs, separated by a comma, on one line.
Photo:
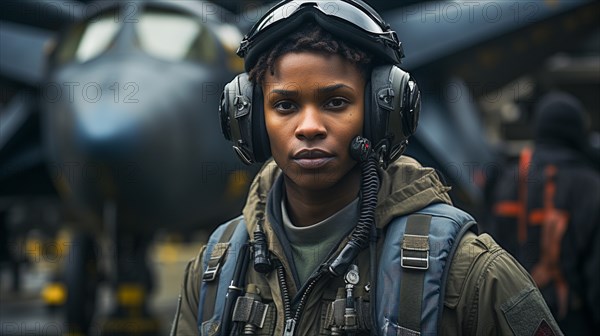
{"points": [[119, 263], [133, 282], [81, 280]]}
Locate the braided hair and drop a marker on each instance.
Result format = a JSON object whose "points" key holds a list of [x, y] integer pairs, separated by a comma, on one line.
{"points": [[311, 37]]}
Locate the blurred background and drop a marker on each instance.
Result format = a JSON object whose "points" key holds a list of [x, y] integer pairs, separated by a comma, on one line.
{"points": [[113, 168]]}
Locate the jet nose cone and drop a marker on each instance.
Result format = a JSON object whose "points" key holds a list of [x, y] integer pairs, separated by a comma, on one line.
{"points": [[106, 130], [104, 105]]}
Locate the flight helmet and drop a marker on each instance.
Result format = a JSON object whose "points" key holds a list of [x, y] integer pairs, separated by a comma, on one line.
{"points": [[392, 97]]}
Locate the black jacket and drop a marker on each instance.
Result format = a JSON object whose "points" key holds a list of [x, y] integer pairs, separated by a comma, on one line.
{"points": [[573, 194]]}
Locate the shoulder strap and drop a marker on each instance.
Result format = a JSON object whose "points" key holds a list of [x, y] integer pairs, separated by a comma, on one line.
{"points": [[417, 250], [218, 262], [414, 259]]}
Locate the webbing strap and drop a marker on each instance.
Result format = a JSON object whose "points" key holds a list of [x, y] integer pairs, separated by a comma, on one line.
{"points": [[415, 262], [217, 257]]}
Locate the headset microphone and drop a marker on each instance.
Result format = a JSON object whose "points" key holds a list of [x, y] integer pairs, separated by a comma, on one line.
{"points": [[360, 149]]}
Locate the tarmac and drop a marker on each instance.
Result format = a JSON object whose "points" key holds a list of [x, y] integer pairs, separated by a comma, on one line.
{"points": [[26, 313]]}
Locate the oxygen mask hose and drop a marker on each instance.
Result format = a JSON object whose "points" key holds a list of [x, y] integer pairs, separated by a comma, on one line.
{"points": [[361, 151]]}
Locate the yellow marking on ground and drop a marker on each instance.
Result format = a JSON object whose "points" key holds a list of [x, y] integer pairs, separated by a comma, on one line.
{"points": [[130, 295], [54, 294], [167, 253]]}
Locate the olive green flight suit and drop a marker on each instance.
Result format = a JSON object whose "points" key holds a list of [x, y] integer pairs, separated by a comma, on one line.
{"points": [[487, 291]]}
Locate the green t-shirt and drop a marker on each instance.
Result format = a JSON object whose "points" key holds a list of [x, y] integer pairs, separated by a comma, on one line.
{"points": [[312, 244]]}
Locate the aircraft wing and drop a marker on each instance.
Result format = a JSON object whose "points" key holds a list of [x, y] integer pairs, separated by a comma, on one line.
{"points": [[26, 31]]}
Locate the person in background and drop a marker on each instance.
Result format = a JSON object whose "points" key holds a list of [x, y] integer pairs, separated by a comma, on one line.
{"points": [[547, 214]]}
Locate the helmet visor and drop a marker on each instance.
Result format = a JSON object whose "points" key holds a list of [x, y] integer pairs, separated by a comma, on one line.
{"points": [[353, 14], [342, 10]]}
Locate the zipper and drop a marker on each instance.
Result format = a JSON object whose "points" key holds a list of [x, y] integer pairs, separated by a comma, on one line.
{"points": [[292, 320], [306, 289]]}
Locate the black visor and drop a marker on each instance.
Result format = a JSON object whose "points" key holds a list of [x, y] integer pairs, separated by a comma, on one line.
{"points": [[350, 20]]}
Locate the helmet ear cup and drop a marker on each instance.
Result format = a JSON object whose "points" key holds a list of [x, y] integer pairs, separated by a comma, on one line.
{"points": [[242, 120], [412, 99], [261, 142], [392, 109], [227, 98]]}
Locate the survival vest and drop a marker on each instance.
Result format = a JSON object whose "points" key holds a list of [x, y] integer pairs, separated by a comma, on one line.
{"points": [[411, 279]]}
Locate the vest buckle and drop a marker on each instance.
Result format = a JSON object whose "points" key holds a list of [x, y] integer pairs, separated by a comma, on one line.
{"points": [[415, 252], [210, 273], [217, 257]]}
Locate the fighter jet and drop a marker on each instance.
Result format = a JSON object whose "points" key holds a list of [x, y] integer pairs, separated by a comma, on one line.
{"points": [[124, 102]]}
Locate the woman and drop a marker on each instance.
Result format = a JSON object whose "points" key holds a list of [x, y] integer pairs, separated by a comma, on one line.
{"points": [[347, 238]]}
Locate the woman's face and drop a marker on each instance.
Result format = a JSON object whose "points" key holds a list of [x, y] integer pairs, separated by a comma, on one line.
{"points": [[314, 107]]}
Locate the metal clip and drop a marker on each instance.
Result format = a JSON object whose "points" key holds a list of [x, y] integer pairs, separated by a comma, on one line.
{"points": [[417, 248], [217, 257], [352, 277], [211, 272], [242, 105], [420, 263], [386, 98], [350, 319]]}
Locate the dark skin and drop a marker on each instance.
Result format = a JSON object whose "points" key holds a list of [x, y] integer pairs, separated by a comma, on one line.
{"points": [[314, 107]]}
